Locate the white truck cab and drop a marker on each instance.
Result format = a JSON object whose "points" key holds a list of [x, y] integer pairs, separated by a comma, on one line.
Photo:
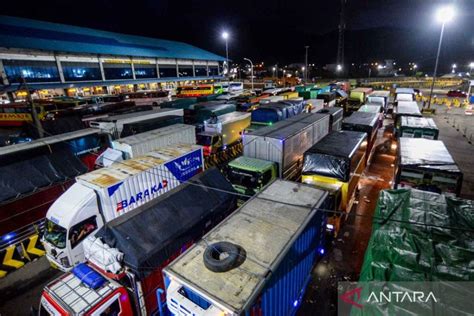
{"points": [[65, 231]]}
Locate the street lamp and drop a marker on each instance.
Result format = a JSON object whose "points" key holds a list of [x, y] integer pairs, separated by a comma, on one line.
{"points": [[225, 36], [251, 71], [471, 65], [443, 15], [415, 66], [274, 69]]}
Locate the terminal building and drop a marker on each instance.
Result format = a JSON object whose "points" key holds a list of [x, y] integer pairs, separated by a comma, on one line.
{"points": [[56, 59]]}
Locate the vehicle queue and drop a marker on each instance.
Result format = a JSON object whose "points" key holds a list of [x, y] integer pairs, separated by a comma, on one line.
{"points": [[273, 155]]}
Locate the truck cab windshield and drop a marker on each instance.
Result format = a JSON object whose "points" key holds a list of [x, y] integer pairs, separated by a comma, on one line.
{"points": [[247, 179], [206, 140], [55, 234]]}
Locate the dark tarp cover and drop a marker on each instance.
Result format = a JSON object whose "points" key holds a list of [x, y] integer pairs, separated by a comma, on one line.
{"points": [[335, 112], [440, 248], [331, 156], [151, 124], [426, 154], [150, 234], [184, 103], [361, 122], [27, 176], [277, 111]]}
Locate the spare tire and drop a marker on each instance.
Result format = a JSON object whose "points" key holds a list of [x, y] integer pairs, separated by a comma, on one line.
{"points": [[223, 256]]}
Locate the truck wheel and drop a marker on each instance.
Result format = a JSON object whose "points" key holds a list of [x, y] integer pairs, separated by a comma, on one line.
{"points": [[223, 256]]}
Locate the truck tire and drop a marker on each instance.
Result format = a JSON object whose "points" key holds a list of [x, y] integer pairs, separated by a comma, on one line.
{"points": [[223, 256]]}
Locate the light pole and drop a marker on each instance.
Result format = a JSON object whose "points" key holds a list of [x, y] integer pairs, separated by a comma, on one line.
{"points": [[415, 66], [274, 69], [251, 71], [303, 69], [443, 15], [471, 65], [225, 36], [306, 64]]}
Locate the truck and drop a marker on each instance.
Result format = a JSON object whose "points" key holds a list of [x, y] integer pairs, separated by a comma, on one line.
{"points": [[329, 98], [335, 164], [375, 108], [147, 97], [123, 271], [357, 97], [381, 97], [199, 112], [418, 127], [406, 108], [140, 144], [268, 114], [427, 165], [224, 132], [404, 94], [272, 242], [335, 117], [114, 124], [151, 124], [100, 196], [365, 122], [183, 103], [281, 144]]}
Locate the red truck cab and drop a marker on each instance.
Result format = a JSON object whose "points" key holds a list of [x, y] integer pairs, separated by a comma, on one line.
{"points": [[71, 295]]}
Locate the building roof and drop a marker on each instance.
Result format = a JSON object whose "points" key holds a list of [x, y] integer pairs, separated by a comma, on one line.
{"points": [[32, 34]]}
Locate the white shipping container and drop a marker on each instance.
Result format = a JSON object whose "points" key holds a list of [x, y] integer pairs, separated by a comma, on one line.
{"points": [[114, 124], [131, 183], [285, 142], [140, 144]]}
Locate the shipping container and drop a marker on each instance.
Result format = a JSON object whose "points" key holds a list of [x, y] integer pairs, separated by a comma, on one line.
{"points": [[426, 164], [335, 118], [289, 95], [151, 124], [100, 196], [285, 142], [273, 244], [114, 124], [418, 127], [143, 143]]}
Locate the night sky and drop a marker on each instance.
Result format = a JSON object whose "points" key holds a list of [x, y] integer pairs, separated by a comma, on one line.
{"points": [[275, 30]]}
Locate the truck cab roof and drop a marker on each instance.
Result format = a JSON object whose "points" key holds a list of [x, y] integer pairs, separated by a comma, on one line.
{"points": [[251, 164], [76, 297]]}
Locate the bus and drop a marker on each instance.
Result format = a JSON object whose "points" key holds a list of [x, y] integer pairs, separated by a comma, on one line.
{"points": [[196, 91], [147, 97]]}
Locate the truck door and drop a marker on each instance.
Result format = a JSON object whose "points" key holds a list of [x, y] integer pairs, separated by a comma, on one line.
{"points": [[77, 234]]}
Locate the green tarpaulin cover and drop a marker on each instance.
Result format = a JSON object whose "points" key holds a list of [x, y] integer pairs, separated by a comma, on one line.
{"points": [[439, 247]]}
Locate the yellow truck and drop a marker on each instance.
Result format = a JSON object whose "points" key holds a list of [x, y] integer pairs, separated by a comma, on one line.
{"points": [[335, 163]]}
